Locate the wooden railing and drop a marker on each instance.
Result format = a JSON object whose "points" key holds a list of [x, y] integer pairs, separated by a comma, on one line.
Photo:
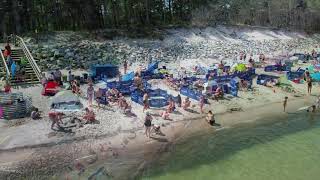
{"points": [[20, 42], [5, 66]]}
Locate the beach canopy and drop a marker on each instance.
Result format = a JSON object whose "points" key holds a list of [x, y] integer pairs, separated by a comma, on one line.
{"points": [[311, 69], [64, 97]]}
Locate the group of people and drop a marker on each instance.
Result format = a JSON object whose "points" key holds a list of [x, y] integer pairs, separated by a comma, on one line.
{"points": [[17, 67]]}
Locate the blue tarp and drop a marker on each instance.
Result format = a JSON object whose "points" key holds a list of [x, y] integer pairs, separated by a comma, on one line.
{"points": [[193, 94], [128, 77], [271, 68], [295, 75], [158, 98], [125, 87]]}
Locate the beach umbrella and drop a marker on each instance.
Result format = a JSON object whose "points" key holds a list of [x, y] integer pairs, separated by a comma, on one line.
{"points": [[241, 67]]}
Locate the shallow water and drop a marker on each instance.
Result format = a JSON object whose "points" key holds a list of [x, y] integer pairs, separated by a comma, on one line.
{"points": [[284, 149]]}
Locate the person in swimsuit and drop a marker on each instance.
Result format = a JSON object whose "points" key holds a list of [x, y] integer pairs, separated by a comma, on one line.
{"points": [[90, 94], [56, 118], [145, 101], [210, 118], [309, 84], [147, 124], [186, 104]]}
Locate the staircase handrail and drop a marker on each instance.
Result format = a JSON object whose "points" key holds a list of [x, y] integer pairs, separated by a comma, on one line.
{"points": [[30, 58], [5, 65]]}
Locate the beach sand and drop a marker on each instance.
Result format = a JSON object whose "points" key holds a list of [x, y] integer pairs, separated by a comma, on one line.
{"points": [[118, 143]]}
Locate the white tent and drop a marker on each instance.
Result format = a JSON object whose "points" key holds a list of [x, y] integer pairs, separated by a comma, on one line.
{"points": [[64, 97]]}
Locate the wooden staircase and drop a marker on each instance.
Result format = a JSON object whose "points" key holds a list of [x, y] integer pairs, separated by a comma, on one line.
{"points": [[30, 76], [32, 71]]}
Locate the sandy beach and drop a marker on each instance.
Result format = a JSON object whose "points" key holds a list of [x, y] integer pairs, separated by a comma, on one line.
{"points": [[118, 142]]}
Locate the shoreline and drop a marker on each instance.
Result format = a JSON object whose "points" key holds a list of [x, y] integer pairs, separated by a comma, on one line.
{"points": [[173, 131]]}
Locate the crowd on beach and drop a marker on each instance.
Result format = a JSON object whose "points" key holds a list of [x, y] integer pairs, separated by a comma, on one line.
{"points": [[113, 97]]}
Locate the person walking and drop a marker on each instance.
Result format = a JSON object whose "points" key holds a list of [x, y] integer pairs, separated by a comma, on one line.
{"points": [[125, 66]]}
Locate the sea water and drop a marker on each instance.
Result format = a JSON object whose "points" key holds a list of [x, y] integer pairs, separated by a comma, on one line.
{"points": [[286, 148]]}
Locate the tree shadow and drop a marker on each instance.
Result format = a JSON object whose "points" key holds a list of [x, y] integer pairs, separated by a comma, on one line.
{"points": [[192, 111], [159, 139]]}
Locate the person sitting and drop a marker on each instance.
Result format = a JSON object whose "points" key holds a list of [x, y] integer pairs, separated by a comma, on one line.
{"points": [[76, 87], [210, 118], [137, 81], [218, 93], [186, 103], [89, 116], [35, 114], [243, 85], [7, 87], [165, 114], [110, 96], [121, 101], [198, 84], [172, 106], [271, 83], [126, 107]]}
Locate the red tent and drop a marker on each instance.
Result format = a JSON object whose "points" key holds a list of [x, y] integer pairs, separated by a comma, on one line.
{"points": [[51, 88]]}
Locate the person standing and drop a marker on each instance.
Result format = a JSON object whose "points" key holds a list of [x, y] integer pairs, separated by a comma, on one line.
{"points": [[125, 66], [145, 101], [90, 94], [179, 100], [58, 76], [147, 124], [285, 104], [309, 85], [70, 78]]}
